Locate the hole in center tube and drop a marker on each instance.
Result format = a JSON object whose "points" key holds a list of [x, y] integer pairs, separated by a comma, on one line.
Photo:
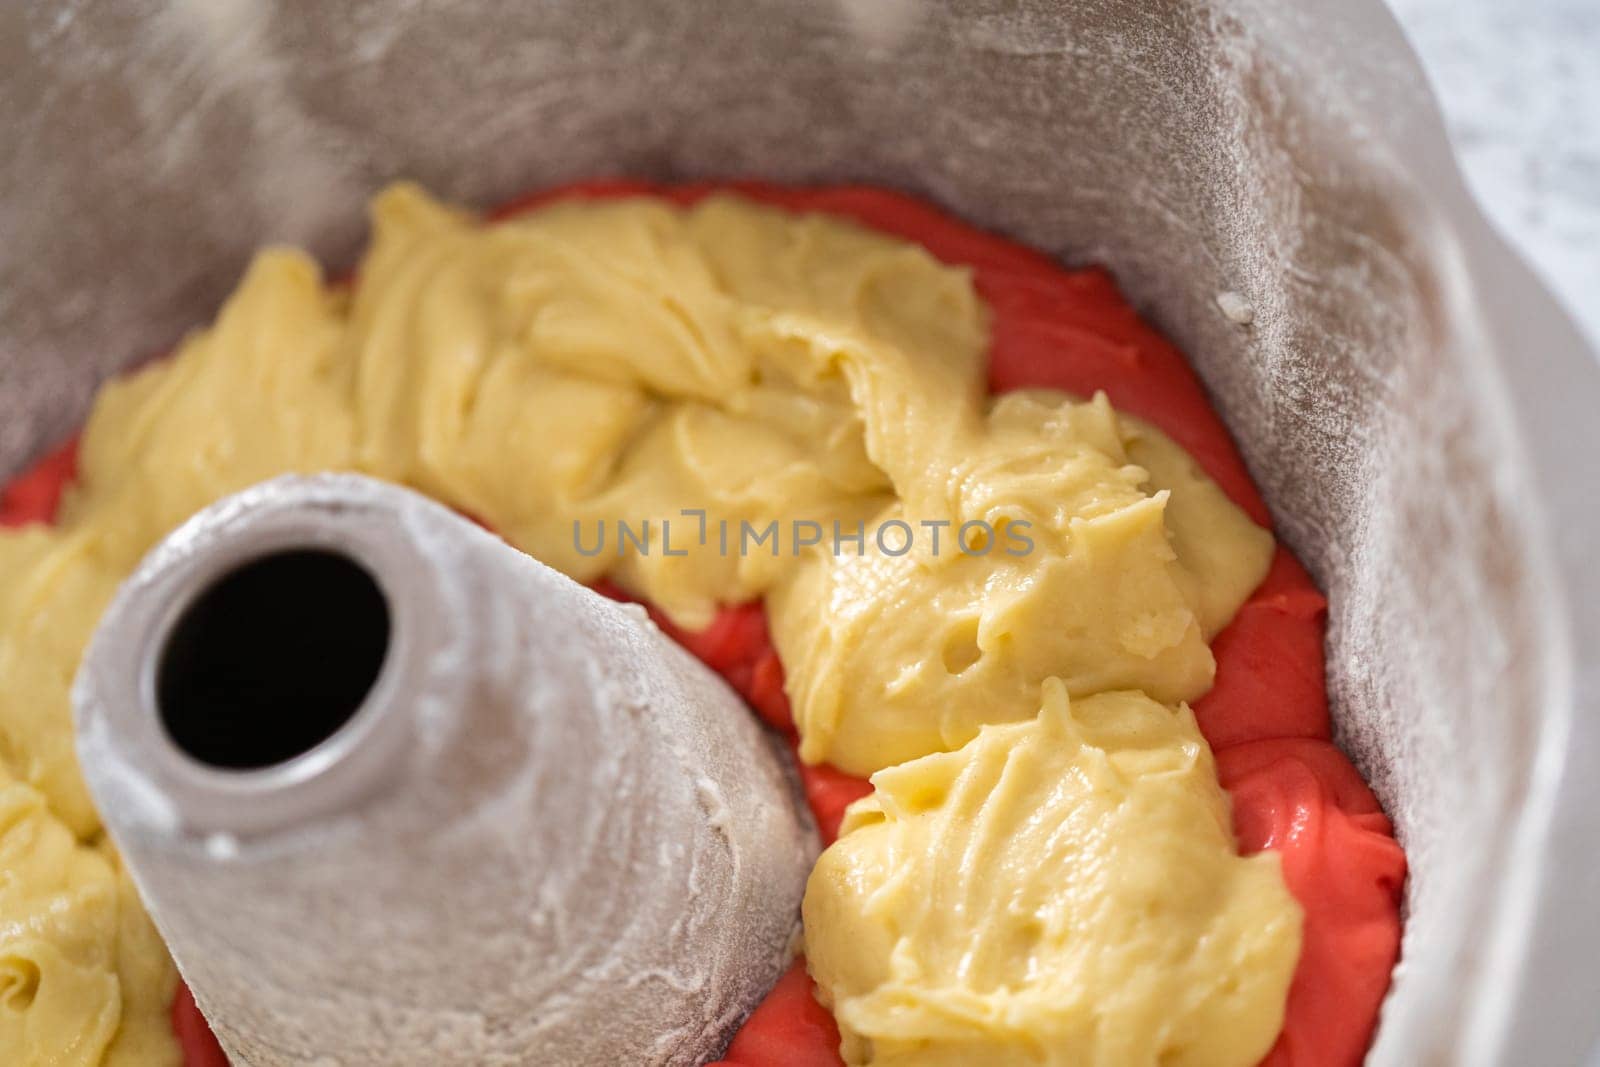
{"points": [[272, 658]]}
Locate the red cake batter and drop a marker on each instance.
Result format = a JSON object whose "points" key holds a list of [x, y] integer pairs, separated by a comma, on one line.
{"points": [[1266, 718]]}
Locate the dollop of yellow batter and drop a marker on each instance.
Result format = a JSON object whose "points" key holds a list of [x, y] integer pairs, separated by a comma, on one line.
{"points": [[1058, 891], [725, 369], [83, 977], [1133, 566]]}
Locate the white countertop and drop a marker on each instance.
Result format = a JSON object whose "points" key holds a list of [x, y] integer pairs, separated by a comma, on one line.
{"points": [[1520, 85]]}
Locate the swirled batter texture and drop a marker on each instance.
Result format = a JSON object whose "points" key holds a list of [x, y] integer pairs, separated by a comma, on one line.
{"points": [[83, 976], [595, 362], [1058, 891]]}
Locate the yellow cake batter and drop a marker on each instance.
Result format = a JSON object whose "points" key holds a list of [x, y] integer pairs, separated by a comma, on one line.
{"points": [[1058, 891], [592, 364]]}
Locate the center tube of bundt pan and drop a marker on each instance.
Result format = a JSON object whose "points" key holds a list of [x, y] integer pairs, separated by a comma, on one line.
{"points": [[394, 792]]}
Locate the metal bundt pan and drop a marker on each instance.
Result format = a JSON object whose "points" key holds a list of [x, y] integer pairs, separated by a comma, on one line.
{"points": [[1417, 409]]}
